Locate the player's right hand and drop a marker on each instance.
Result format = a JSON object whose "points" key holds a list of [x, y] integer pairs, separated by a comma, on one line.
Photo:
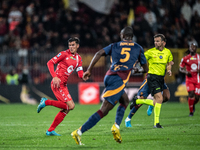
{"points": [[56, 82], [86, 75], [188, 74]]}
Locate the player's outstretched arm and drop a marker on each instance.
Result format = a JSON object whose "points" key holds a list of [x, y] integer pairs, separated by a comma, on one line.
{"points": [[95, 59], [169, 68]]}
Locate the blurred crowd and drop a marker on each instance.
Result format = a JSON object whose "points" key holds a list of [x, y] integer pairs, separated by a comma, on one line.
{"points": [[35, 28]]}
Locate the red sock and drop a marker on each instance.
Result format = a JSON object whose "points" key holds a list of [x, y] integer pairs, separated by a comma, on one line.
{"points": [[58, 104], [191, 103], [57, 120]]}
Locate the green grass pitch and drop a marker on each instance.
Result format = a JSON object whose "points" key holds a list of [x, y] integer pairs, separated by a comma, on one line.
{"points": [[22, 128]]}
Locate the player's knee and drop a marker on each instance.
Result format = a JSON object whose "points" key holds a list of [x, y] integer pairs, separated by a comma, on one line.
{"points": [[71, 106]]}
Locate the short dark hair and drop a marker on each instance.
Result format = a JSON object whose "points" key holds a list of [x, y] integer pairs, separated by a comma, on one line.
{"points": [[74, 39], [161, 36], [128, 32]]}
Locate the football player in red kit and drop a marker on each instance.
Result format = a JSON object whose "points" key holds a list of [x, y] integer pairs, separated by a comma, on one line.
{"points": [[67, 60], [191, 62]]}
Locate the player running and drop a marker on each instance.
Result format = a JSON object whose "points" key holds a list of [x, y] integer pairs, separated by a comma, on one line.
{"points": [[159, 58], [67, 61], [191, 64], [124, 55]]}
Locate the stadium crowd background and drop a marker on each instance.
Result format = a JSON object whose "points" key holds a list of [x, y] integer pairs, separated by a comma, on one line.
{"points": [[32, 32]]}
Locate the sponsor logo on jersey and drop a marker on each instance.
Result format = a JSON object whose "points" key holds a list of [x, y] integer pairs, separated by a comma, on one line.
{"points": [[192, 58], [194, 66], [70, 69], [59, 55], [72, 58]]}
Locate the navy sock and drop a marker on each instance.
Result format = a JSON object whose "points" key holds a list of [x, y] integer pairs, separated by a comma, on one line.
{"points": [[133, 111], [92, 121], [120, 114]]}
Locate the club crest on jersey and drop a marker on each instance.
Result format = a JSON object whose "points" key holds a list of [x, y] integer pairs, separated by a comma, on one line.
{"points": [[160, 57], [59, 55], [72, 58]]}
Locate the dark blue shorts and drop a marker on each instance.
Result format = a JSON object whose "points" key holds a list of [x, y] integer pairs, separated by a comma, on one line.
{"points": [[144, 89], [114, 88]]}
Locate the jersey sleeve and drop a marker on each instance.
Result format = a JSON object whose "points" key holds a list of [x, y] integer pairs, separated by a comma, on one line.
{"points": [[108, 49], [182, 63], [142, 57], [170, 57], [56, 59], [147, 54]]}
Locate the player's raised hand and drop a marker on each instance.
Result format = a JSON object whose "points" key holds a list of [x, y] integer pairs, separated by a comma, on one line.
{"points": [[86, 75], [56, 82]]}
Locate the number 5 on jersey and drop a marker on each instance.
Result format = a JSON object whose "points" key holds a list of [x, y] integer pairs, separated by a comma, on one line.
{"points": [[125, 51]]}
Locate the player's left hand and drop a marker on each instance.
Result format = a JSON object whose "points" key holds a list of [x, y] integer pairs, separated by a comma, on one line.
{"points": [[86, 75], [56, 82], [169, 72]]}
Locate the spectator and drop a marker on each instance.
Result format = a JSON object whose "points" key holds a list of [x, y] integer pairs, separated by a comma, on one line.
{"points": [[14, 18], [30, 9], [14, 15], [12, 77], [186, 10], [196, 7], [2, 77], [141, 8], [150, 17], [3, 30]]}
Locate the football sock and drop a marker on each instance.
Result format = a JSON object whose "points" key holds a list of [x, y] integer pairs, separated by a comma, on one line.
{"points": [[196, 101], [145, 101], [157, 109], [92, 121], [57, 120], [58, 104], [133, 111], [191, 104], [120, 114]]}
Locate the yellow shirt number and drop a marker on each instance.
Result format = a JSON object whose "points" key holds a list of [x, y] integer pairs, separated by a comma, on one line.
{"points": [[125, 51]]}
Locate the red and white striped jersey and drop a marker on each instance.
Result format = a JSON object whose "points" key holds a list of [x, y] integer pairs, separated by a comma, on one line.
{"points": [[192, 64]]}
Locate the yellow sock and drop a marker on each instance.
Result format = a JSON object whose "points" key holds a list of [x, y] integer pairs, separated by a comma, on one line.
{"points": [[157, 109], [145, 101]]}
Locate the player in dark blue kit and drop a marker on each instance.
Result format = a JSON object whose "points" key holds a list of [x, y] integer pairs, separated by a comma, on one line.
{"points": [[124, 55]]}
